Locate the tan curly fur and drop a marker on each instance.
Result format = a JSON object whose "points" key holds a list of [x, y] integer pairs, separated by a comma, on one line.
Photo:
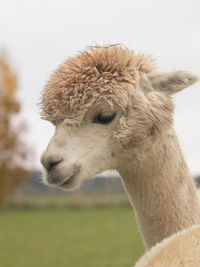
{"points": [[95, 72]]}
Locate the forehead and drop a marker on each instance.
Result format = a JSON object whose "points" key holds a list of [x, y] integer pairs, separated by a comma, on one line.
{"points": [[93, 75]]}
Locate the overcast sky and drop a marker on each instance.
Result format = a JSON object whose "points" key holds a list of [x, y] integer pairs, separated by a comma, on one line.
{"points": [[38, 35]]}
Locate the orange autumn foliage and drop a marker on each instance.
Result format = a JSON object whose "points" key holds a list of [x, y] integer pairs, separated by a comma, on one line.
{"points": [[13, 152]]}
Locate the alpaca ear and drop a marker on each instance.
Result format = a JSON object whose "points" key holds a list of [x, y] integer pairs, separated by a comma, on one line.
{"points": [[172, 82]]}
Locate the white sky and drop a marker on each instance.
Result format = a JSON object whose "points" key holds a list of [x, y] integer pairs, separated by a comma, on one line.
{"points": [[38, 35]]}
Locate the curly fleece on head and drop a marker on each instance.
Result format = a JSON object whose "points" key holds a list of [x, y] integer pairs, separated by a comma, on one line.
{"points": [[94, 73]]}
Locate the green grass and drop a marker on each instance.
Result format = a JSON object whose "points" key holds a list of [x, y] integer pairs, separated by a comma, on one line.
{"points": [[90, 237]]}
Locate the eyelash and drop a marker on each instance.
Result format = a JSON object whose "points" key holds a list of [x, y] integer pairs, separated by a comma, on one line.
{"points": [[103, 119]]}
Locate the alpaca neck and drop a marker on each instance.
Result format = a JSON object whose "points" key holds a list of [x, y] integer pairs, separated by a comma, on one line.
{"points": [[161, 190]]}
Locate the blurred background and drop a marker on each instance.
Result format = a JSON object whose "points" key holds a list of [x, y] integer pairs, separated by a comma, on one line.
{"points": [[94, 226]]}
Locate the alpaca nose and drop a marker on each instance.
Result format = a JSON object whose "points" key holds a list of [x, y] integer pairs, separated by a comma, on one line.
{"points": [[50, 163]]}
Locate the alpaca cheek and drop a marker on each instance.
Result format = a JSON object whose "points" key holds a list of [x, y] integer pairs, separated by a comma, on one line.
{"points": [[134, 127], [130, 135], [160, 112]]}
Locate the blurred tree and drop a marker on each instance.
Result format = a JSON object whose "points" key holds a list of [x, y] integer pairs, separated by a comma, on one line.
{"points": [[13, 152]]}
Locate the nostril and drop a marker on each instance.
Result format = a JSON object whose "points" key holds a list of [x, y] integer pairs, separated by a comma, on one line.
{"points": [[51, 164]]}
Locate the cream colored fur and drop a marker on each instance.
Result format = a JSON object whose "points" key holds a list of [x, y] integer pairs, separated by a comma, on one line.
{"points": [[140, 142], [182, 249], [161, 190]]}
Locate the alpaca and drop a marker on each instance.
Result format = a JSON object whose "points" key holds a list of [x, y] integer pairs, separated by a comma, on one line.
{"points": [[112, 109]]}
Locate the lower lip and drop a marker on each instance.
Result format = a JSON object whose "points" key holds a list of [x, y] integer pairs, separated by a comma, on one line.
{"points": [[69, 181]]}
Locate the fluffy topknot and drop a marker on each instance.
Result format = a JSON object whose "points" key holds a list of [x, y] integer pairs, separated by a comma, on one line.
{"points": [[94, 73]]}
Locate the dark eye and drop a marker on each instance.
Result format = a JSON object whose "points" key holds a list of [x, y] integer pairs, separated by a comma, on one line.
{"points": [[103, 119]]}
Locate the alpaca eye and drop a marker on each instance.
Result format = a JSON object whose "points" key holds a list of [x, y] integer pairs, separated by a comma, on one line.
{"points": [[103, 119]]}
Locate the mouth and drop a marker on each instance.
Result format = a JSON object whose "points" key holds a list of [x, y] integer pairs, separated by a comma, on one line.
{"points": [[71, 180]]}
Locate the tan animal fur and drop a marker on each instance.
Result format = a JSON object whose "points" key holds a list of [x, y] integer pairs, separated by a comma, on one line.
{"points": [[182, 249], [140, 142], [96, 72]]}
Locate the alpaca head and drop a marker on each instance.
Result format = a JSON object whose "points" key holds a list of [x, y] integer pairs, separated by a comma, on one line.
{"points": [[107, 104]]}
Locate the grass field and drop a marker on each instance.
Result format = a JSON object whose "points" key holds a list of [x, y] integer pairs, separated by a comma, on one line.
{"points": [[86, 237]]}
